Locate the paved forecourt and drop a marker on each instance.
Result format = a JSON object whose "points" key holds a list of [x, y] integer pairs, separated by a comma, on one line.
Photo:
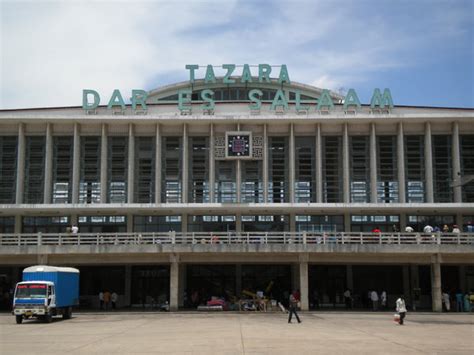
{"points": [[234, 333]]}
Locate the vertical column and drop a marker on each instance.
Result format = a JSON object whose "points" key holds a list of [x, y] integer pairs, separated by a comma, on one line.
{"points": [[76, 164], [238, 222], [48, 164], [127, 297], [184, 197], [265, 164], [349, 277], [292, 163], [184, 223], [403, 221], [401, 163], [304, 290], [459, 220], [131, 163], [319, 165], [292, 217], [212, 165], [456, 156], [20, 164], [345, 164], [103, 164], [347, 222], [436, 283], [238, 179], [238, 280], [129, 223], [158, 164], [373, 164], [428, 164], [174, 282], [18, 224]]}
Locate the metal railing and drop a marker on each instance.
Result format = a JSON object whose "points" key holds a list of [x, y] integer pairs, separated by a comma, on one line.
{"points": [[233, 238]]}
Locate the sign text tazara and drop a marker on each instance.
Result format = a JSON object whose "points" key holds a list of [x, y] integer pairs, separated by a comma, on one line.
{"points": [[280, 99]]}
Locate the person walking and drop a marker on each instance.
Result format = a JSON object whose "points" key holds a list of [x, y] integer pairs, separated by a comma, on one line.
{"points": [[401, 309], [106, 299], [101, 300], [348, 299], [383, 300], [446, 301], [292, 308], [374, 297], [114, 298]]}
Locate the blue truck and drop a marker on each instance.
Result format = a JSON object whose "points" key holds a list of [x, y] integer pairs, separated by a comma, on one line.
{"points": [[46, 291]]}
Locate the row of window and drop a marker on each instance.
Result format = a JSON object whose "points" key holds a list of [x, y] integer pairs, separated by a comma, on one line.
{"points": [[225, 187], [228, 223]]}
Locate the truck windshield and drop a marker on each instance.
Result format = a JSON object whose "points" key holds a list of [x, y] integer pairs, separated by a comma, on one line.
{"points": [[31, 291]]}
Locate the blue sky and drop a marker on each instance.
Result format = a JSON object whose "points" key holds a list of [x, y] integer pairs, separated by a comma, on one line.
{"points": [[423, 50]]}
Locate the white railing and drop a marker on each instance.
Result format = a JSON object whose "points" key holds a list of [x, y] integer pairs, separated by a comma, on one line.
{"points": [[305, 238]]}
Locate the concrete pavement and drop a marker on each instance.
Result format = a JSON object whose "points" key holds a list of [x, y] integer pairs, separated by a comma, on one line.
{"points": [[244, 333]]}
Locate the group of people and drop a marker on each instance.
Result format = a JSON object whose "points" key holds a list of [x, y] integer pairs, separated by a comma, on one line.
{"points": [[106, 299], [462, 302], [436, 229]]}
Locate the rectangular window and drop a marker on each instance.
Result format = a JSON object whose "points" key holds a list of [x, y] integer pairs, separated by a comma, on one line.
{"points": [[144, 189], [34, 169], [318, 224], [360, 223], [7, 225], [89, 186], [265, 223], [332, 169], [442, 168], [387, 172], [45, 224], [8, 158], [226, 185], [171, 169], [211, 224], [305, 169], [467, 167], [102, 224], [360, 168], [252, 181], [117, 169], [62, 169], [278, 169], [198, 169], [415, 168], [157, 224]]}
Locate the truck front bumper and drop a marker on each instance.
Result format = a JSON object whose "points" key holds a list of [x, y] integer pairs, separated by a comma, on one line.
{"points": [[29, 311]]}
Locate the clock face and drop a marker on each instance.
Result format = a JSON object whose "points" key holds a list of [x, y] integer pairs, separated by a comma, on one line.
{"points": [[238, 145]]}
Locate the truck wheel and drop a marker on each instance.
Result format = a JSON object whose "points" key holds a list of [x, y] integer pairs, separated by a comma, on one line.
{"points": [[67, 313], [48, 318], [19, 319]]}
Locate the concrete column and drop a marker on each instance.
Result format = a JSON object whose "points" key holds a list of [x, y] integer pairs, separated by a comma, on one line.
{"points": [[459, 220], [20, 164], [184, 223], [406, 280], [238, 180], [373, 164], [103, 164], [174, 283], [292, 221], [403, 222], [18, 224], [76, 164], [127, 297], [184, 190], [131, 163], [428, 164], [401, 164], [349, 277], [129, 223], [182, 285], [319, 165], [347, 222], [238, 222], [238, 280], [345, 164], [292, 163], [74, 219], [48, 164], [304, 283], [158, 164], [212, 165], [456, 156], [265, 164], [436, 283]]}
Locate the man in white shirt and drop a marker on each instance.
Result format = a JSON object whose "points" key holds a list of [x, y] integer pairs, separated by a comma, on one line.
{"points": [[409, 229], [375, 300], [428, 229], [74, 229]]}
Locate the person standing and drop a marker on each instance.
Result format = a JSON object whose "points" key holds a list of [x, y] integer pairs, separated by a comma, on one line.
{"points": [[106, 299], [292, 308], [401, 309], [348, 299], [383, 300], [374, 297], [446, 301], [459, 301], [114, 298], [101, 300], [74, 229]]}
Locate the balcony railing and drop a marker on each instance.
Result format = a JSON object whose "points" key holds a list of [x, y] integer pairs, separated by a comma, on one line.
{"points": [[233, 238]]}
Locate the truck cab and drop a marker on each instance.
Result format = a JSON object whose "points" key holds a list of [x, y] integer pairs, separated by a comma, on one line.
{"points": [[33, 299]]}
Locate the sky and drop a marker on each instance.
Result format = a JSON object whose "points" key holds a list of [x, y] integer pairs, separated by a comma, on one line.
{"points": [[423, 50]]}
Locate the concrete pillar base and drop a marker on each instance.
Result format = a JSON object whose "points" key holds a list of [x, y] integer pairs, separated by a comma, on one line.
{"points": [[436, 284]]}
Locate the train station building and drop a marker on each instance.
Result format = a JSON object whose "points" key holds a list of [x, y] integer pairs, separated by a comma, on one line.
{"points": [[220, 185]]}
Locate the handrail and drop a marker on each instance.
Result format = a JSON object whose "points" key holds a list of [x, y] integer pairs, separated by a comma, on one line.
{"points": [[219, 238]]}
